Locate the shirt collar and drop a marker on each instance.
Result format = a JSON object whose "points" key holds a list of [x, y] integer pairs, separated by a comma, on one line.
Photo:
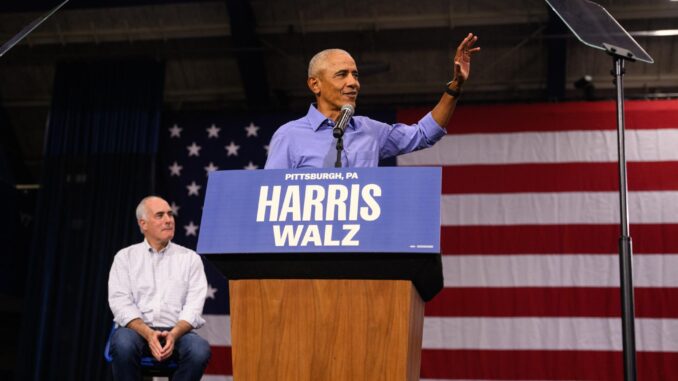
{"points": [[317, 119], [150, 248]]}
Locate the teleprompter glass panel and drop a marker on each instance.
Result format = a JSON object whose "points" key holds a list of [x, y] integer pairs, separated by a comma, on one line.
{"points": [[594, 26]]}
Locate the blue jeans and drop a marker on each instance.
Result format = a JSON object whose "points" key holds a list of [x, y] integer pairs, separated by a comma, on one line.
{"points": [[191, 353]]}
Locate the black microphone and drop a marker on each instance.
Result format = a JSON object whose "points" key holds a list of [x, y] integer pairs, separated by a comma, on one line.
{"points": [[342, 121]]}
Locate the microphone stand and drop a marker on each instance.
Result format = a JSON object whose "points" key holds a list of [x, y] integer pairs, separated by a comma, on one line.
{"points": [[338, 130], [340, 147]]}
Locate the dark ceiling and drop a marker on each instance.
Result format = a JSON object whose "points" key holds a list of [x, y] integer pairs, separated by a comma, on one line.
{"points": [[44, 5]]}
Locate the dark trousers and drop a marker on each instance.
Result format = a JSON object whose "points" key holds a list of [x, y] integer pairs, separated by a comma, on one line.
{"points": [[128, 347]]}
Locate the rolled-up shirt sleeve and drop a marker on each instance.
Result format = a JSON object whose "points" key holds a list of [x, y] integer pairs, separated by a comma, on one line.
{"points": [[120, 297], [191, 311], [404, 138]]}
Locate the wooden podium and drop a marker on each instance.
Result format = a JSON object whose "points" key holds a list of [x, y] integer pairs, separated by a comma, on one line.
{"points": [[316, 308], [311, 317], [325, 329]]}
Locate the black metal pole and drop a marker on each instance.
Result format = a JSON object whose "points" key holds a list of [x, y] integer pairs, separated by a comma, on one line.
{"points": [[340, 147], [625, 250]]}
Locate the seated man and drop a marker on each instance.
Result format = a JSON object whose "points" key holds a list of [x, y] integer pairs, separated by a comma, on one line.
{"points": [[156, 291]]}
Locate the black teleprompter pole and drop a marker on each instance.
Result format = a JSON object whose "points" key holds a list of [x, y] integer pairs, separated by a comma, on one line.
{"points": [[625, 249], [595, 27], [28, 29]]}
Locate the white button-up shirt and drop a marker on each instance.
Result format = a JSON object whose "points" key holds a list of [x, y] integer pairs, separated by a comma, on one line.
{"points": [[160, 288]]}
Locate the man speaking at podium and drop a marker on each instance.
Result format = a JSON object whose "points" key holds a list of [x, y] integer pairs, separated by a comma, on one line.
{"points": [[333, 79]]}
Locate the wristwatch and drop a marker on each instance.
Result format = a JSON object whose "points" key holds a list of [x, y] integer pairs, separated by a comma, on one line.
{"points": [[455, 93]]}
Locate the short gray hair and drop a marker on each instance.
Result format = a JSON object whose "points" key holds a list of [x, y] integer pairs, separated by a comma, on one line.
{"points": [[142, 211], [315, 64]]}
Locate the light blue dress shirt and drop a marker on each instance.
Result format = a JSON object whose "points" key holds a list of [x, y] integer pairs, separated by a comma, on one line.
{"points": [[308, 141]]}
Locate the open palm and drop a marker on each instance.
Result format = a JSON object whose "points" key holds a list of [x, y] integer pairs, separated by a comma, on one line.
{"points": [[462, 58]]}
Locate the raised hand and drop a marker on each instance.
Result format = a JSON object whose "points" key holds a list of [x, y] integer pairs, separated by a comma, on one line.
{"points": [[462, 58]]}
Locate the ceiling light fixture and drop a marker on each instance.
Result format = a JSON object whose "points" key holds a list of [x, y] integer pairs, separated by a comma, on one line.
{"points": [[656, 33]]}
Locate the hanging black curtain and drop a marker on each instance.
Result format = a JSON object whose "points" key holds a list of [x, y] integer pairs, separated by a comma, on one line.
{"points": [[9, 222], [99, 162]]}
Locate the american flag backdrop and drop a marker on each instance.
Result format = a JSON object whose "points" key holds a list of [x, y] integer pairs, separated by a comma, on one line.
{"points": [[529, 236], [190, 146], [530, 217]]}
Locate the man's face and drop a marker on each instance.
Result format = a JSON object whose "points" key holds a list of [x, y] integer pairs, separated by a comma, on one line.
{"points": [[159, 223], [337, 83]]}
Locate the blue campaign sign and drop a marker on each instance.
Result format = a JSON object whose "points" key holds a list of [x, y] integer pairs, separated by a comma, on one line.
{"points": [[387, 210]]}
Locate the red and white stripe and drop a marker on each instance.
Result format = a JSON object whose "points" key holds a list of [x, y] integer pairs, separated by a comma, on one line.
{"points": [[530, 212], [217, 330]]}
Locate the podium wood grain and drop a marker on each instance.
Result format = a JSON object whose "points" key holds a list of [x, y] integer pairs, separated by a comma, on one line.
{"points": [[310, 329]]}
